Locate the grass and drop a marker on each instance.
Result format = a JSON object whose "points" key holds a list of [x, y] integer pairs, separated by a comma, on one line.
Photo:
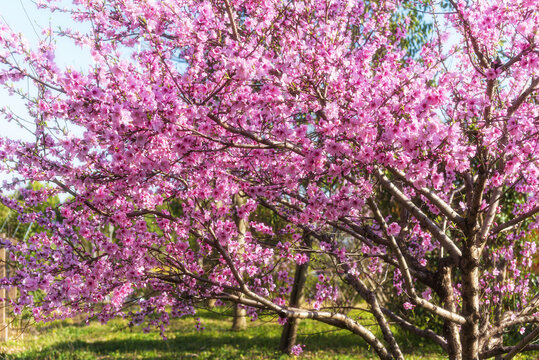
{"points": [[115, 340]]}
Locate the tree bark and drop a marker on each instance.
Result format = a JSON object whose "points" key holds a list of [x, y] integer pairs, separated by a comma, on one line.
{"points": [[239, 321], [469, 336], [498, 340], [4, 322], [451, 330], [290, 329]]}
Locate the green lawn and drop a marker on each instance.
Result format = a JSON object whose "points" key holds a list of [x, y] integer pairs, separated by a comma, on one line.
{"points": [[71, 340]]}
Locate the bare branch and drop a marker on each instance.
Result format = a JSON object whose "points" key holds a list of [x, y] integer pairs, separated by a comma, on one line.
{"points": [[273, 144], [489, 218], [340, 320], [516, 58], [505, 349], [377, 312], [468, 33], [403, 266], [517, 348], [509, 224]]}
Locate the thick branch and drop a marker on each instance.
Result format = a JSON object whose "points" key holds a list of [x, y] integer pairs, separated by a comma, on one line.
{"points": [[516, 58], [371, 299], [446, 242], [444, 207], [520, 99], [505, 349], [476, 201], [509, 224], [468, 31], [335, 319], [339, 320], [489, 218], [511, 318], [403, 266]]}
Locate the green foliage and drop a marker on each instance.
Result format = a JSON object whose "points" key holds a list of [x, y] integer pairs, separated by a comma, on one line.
{"points": [[419, 26], [9, 223]]}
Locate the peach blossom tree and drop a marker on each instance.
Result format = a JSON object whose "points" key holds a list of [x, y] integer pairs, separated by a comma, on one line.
{"points": [[418, 171]]}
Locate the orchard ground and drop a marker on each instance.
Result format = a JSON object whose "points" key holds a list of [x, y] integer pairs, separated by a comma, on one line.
{"points": [[76, 340]]}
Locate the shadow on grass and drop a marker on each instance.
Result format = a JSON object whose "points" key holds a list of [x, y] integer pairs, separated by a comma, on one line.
{"points": [[221, 345], [261, 341], [181, 347]]}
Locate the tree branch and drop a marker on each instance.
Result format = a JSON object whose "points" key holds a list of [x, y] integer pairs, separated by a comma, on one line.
{"points": [[258, 139], [518, 347], [509, 224], [505, 349], [232, 21], [520, 99], [489, 218], [335, 319], [403, 266], [406, 325], [444, 240], [444, 207]]}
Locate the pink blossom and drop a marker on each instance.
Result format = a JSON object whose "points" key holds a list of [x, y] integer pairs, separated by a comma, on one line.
{"points": [[427, 294], [296, 350], [492, 74], [408, 306], [393, 229]]}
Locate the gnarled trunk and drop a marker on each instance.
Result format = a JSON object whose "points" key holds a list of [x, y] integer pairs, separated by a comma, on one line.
{"points": [[469, 335]]}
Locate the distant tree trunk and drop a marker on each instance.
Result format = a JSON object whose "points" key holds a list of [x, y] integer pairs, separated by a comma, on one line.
{"points": [[240, 318], [239, 321], [290, 329], [498, 310], [3, 310]]}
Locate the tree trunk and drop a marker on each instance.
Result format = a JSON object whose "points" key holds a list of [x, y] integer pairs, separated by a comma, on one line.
{"points": [[289, 336], [469, 335], [451, 330], [290, 329], [3, 306], [239, 321], [498, 340]]}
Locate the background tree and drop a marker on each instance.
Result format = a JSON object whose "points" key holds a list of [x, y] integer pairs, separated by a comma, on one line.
{"points": [[422, 166]]}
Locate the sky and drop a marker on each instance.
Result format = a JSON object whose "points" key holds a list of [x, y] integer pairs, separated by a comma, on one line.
{"points": [[23, 17]]}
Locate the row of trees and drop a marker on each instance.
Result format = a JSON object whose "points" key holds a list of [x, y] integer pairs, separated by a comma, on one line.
{"points": [[380, 165]]}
